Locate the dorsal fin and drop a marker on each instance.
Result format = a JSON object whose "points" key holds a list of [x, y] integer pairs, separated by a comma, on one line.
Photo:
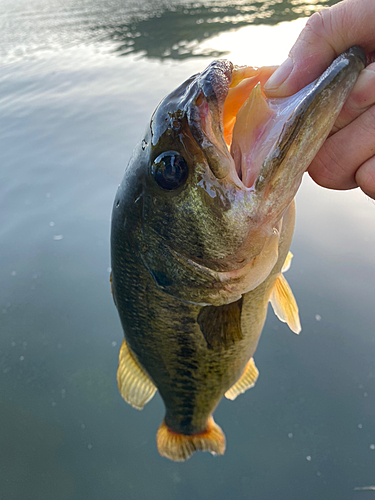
{"points": [[133, 382], [180, 447], [221, 325], [245, 382], [284, 304]]}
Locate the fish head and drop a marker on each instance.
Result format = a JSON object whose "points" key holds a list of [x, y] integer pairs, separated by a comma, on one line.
{"points": [[218, 166]]}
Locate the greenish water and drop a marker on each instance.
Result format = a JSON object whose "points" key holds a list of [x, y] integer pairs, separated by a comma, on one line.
{"points": [[71, 111]]}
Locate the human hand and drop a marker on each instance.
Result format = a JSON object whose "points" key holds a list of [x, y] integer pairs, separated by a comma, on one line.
{"points": [[347, 158]]}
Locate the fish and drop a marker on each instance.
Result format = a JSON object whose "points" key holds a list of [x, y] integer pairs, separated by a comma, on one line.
{"points": [[202, 225]]}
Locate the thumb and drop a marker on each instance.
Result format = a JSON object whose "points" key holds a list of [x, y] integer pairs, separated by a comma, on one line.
{"points": [[326, 35]]}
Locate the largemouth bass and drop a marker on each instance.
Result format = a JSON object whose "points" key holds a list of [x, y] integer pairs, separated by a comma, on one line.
{"points": [[201, 228]]}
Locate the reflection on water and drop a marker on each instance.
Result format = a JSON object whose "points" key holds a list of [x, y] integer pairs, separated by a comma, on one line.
{"points": [[70, 114], [156, 29], [177, 30]]}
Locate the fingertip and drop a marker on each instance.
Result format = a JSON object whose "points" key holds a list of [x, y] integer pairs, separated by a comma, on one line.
{"points": [[363, 93], [365, 177]]}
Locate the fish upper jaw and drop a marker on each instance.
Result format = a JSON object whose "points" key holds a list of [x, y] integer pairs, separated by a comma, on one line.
{"points": [[205, 116]]}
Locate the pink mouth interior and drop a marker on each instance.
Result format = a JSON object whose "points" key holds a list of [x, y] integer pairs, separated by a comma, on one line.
{"points": [[252, 123]]}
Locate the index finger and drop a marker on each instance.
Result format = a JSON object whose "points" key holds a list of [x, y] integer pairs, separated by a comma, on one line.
{"points": [[326, 35]]}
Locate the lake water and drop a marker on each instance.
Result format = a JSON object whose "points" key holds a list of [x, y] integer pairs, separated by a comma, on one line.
{"points": [[78, 83]]}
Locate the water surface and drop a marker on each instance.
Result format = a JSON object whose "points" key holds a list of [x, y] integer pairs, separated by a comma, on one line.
{"points": [[71, 111]]}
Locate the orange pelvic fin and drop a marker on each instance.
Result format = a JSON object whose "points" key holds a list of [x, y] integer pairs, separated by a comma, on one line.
{"points": [[180, 447]]}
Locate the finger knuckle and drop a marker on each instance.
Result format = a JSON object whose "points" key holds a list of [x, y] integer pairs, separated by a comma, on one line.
{"points": [[320, 23], [330, 25]]}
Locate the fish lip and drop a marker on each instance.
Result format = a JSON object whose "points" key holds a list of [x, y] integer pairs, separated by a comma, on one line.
{"points": [[205, 115]]}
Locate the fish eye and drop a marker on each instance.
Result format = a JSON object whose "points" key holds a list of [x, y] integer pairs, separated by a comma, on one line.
{"points": [[170, 170]]}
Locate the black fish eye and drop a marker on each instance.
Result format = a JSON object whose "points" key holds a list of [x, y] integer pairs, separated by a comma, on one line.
{"points": [[170, 170]]}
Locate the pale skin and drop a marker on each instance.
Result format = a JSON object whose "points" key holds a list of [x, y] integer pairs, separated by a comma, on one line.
{"points": [[347, 158]]}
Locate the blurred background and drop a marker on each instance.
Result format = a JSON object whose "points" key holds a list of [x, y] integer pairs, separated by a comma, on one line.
{"points": [[79, 80]]}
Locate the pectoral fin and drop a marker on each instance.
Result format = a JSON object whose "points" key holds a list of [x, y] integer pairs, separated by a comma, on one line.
{"points": [[221, 325], [284, 304], [245, 382], [133, 382], [287, 262]]}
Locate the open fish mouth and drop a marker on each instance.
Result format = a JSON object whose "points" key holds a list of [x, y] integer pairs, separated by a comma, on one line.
{"points": [[245, 155], [260, 133]]}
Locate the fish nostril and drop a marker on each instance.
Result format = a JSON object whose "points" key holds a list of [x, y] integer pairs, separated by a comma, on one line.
{"points": [[117, 203]]}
